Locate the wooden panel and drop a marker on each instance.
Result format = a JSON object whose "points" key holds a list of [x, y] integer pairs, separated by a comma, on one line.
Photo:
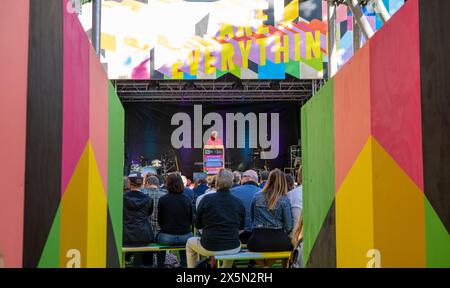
{"points": [[98, 114], [435, 88], [116, 123], [14, 15], [323, 254], [113, 255], [351, 112], [395, 90], [318, 164], [44, 126], [437, 239], [398, 210], [354, 212], [76, 95]]}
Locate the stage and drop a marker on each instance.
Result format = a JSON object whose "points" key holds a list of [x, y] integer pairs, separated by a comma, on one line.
{"points": [[255, 135]]}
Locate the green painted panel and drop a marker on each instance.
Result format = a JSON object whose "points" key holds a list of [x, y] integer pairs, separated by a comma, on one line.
{"points": [[317, 124], [50, 254], [293, 68], [437, 239], [116, 164]]}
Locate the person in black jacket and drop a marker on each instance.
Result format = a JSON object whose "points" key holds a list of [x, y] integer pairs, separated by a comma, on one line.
{"points": [[222, 217], [175, 215], [137, 208]]}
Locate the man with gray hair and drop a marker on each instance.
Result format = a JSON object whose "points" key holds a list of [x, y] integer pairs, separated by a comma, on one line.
{"points": [[245, 193], [222, 218]]}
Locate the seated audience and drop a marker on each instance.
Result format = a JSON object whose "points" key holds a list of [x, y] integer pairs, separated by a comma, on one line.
{"points": [[200, 188], [295, 198], [137, 208], [175, 215], [297, 241], [151, 189], [271, 217], [187, 191], [126, 184], [264, 176], [222, 217], [245, 193], [211, 180], [237, 178]]}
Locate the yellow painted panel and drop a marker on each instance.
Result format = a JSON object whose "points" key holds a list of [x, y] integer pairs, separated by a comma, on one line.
{"points": [[291, 11], [97, 217], [399, 213], [132, 42], [108, 42], [74, 205], [354, 212]]}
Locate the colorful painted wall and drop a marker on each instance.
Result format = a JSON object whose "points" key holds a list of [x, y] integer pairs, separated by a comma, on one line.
{"points": [[257, 39], [63, 128], [376, 155]]}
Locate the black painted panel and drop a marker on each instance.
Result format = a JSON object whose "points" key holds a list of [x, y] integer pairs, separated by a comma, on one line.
{"points": [[44, 126], [435, 85]]}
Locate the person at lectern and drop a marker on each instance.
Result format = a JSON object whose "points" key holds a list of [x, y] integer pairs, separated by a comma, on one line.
{"points": [[214, 140]]}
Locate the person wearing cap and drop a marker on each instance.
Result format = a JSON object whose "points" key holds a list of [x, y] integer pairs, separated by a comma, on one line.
{"points": [[137, 208], [245, 193]]}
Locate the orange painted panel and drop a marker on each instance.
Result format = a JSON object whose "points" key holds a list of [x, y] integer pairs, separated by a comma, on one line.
{"points": [[98, 115], [14, 23], [351, 112]]}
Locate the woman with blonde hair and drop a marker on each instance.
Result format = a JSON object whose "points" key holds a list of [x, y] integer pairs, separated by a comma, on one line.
{"points": [[271, 218], [296, 259]]}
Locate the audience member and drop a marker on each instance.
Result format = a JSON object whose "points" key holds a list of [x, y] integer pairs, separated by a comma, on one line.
{"points": [[295, 198], [222, 218], [186, 190], [297, 241], [211, 189], [152, 190], [264, 176], [237, 178], [175, 215], [137, 208], [271, 217], [200, 188], [245, 193]]}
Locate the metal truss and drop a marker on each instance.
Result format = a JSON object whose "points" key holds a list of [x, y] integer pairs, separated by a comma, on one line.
{"points": [[221, 90]]}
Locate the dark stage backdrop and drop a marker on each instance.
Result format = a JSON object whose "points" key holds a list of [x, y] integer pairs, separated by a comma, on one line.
{"points": [[149, 132]]}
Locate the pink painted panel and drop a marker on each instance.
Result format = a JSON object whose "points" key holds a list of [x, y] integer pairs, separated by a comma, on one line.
{"points": [[76, 95], [395, 90]]}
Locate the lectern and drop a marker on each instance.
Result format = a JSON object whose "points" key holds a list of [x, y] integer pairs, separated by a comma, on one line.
{"points": [[213, 159]]}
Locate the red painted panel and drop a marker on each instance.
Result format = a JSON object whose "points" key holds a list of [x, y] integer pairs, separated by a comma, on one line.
{"points": [[14, 22], [76, 95], [98, 111], [395, 89], [351, 112]]}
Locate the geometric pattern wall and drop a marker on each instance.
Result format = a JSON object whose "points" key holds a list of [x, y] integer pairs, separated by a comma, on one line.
{"points": [[61, 206], [380, 132]]}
